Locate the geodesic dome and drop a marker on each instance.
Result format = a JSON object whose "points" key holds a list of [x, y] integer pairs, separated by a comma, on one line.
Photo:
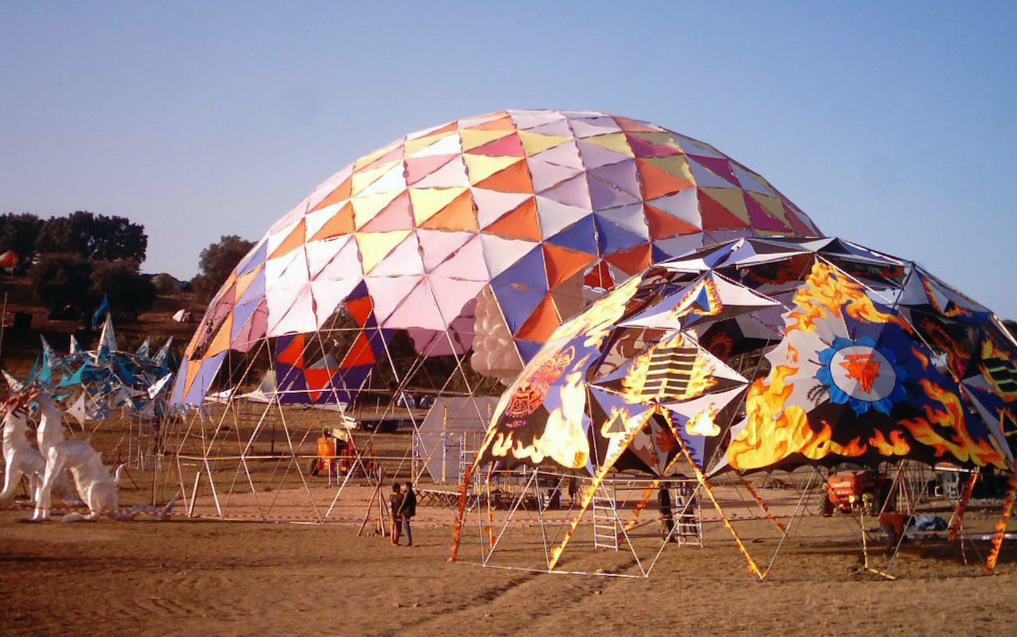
{"points": [[845, 354], [479, 235]]}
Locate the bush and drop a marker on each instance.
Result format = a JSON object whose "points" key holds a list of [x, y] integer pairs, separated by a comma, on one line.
{"points": [[166, 284], [62, 280], [130, 293], [19, 232]]}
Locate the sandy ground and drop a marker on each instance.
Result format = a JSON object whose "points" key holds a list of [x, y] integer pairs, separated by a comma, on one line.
{"points": [[186, 577], [203, 577]]}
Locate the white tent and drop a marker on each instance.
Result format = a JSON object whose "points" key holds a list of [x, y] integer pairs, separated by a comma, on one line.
{"points": [[450, 435]]}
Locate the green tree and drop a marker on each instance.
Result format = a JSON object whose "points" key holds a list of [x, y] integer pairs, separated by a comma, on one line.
{"points": [[94, 237], [61, 280], [129, 292], [216, 262], [19, 232], [166, 284]]}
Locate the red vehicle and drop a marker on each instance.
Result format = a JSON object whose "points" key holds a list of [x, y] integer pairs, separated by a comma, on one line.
{"points": [[847, 491]]}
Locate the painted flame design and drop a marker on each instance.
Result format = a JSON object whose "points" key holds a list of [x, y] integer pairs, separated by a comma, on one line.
{"points": [[775, 429], [563, 439], [961, 445], [827, 293]]}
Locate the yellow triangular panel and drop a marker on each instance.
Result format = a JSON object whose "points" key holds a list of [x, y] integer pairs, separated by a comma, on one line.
{"points": [[480, 167], [661, 139], [366, 207], [244, 281], [364, 179], [221, 342], [674, 165], [731, 198], [375, 246], [614, 141], [477, 138], [534, 143], [378, 154], [770, 204], [427, 201], [414, 146]]}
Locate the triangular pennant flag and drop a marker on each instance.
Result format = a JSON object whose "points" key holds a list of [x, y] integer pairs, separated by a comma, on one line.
{"points": [[78, 410]]}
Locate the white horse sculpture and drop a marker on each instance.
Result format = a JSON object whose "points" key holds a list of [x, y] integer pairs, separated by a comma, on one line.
{"points": [[20, 457], [96, 486]]}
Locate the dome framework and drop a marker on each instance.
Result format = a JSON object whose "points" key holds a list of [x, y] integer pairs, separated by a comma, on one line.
{"points": [[440, 263]]}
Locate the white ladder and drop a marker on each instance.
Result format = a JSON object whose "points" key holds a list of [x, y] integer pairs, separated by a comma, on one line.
{"points": [[606, 527], [466, 458], [688, 519]]}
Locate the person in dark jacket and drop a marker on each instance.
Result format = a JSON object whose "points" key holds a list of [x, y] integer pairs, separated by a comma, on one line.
{"points": [[407, 510], [666, 511]]}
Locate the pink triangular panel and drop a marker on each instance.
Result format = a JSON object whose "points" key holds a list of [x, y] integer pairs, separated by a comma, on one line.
{"points": [[566, 154], [595, 156], [492, 204], [418, 168], [416, 310], [402, 261], [451, 175], [438, 245], [545, 174], [573, 192], [388, 292], [290, 311], [467, 263], [684, 205]]}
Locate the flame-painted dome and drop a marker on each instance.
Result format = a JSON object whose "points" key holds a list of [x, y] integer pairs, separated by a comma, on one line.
{"points": [[503, 219]]}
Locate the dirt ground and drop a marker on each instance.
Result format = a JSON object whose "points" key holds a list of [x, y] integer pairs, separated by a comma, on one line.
{"points": [[187, 577]]}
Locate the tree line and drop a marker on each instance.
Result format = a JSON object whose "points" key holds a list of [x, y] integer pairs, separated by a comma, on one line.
{"points": [[72, 262]]}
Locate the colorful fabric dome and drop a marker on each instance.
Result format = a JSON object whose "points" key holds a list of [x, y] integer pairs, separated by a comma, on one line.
{"points": [[514, 219]]}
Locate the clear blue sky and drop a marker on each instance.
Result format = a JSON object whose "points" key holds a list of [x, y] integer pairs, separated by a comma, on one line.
{"points": [[891, 124]]}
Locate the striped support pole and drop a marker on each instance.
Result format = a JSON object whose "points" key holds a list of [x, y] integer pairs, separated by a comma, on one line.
{"points": [[997, 541]]}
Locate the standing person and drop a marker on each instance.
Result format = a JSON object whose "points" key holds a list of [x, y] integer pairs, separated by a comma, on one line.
{"points": [[573, 487], [407, 510], [395, 502], [666, 511]]}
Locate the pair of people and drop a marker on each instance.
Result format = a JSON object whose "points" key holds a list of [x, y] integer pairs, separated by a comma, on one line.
{"points": [[403, 504]]}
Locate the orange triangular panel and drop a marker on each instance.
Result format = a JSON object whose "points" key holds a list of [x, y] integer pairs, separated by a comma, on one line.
{"points": [[502, 123], [341, 223], [635, 260], [715, 216], [515, 178], [360, 309], [542, 323], [459, 214], [600, 277], [295, 239], [360, 354], [192, 372], [562, 263], [657, 182], [293, 354], [342, 192], [221, 342], [631, 126], [665, 226], [521, 223]]}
